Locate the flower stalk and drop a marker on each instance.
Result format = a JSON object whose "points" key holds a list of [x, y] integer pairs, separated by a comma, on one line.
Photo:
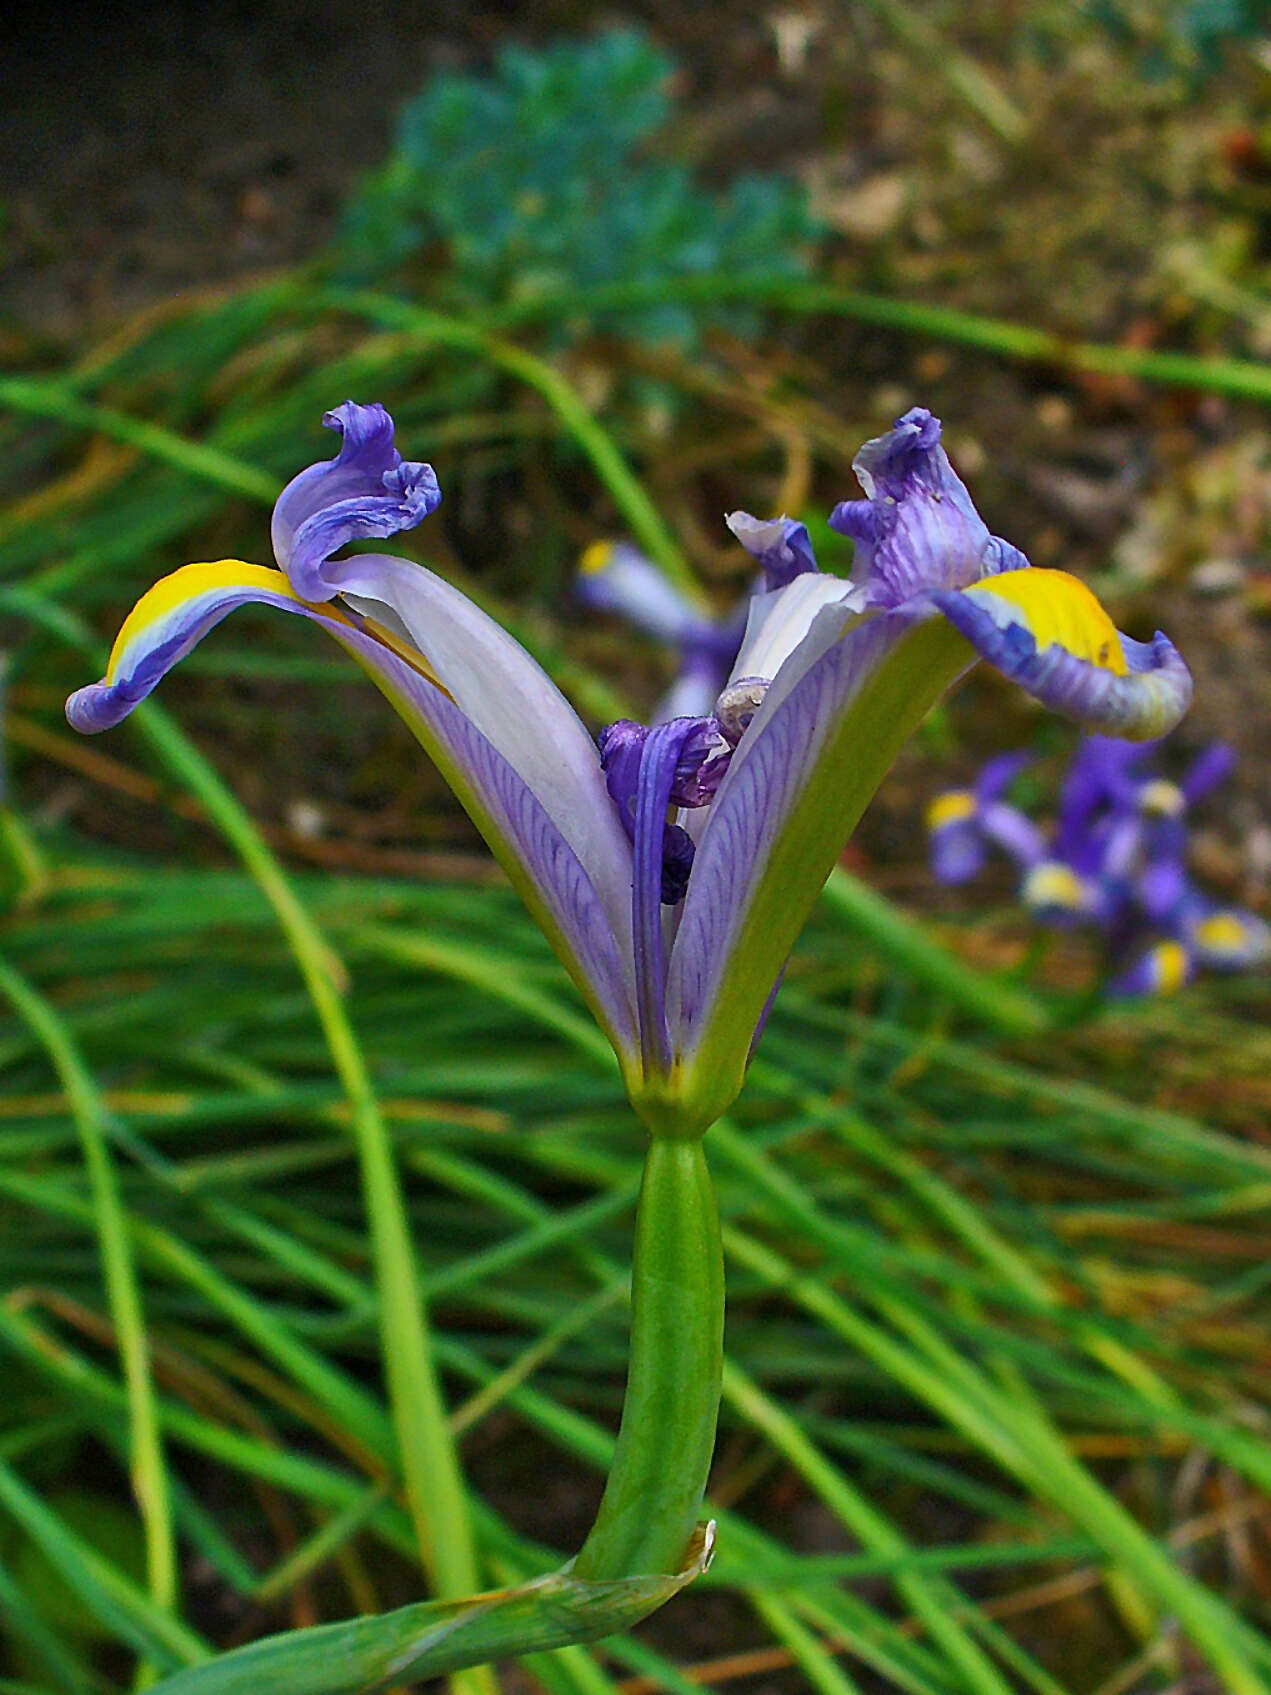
{"points": [[654, 1492]]}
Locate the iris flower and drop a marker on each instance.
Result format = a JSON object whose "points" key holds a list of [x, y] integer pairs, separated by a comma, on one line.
{"points": [[673, 867], [1116, 860]]}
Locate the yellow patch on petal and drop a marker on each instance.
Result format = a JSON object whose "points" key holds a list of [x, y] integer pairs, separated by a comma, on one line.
{"points": [[171, 593], [1221, 931], [596, 558], [223, 576], [1162, 799], [1054, 884], [1060, 611], [952, 808], [1170, 959]]}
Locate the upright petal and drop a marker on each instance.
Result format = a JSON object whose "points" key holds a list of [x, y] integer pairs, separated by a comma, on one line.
{"points": [[782, 546], [367, 492], [541, 861], [799, 779], [918, 528]]}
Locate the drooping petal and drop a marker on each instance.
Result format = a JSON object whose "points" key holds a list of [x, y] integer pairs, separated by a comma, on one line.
{"points": [[918, 528], [1009, 829], [956, 846], [540, 860], [165, 624], [799, 779], [1046, 631], [367, 492]]}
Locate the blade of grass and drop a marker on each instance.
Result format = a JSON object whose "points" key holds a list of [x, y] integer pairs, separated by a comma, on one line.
{"points": [[147, 1466]]}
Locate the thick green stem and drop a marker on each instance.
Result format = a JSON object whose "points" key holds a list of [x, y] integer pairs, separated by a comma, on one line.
{"points": [[659, 1471]]}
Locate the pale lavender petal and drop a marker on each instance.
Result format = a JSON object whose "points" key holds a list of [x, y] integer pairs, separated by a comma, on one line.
{"points": [[1016, 835], [367, 492], [958, 852], [792, 794], [616, 577], [513, 703]]}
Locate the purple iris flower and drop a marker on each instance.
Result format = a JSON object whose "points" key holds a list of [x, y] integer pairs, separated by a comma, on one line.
{"points": [[673, 867], [964, 824], [1117, 860]]}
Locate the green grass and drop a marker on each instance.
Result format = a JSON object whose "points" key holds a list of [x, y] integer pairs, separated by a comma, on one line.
{"points": [[316, 1186]]}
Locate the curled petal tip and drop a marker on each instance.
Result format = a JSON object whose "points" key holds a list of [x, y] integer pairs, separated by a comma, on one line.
{"points": [[97, 706], [367, 492]]}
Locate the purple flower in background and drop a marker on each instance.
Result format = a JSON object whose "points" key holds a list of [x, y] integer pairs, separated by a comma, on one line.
{"points": [[673, 867], [1116, 860], [616, 577]]}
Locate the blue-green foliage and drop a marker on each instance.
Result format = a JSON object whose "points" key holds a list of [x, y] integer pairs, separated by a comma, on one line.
{"points": [[540, 179]]}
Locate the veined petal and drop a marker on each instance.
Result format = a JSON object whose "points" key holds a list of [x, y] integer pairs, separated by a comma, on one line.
{"points": [[511, 700], [918, 528], [1046, 631], [367, 492], [541, 862], [799, 780]]}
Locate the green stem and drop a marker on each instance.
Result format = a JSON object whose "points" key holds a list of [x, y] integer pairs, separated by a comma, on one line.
{"points": [[663, 1456]]}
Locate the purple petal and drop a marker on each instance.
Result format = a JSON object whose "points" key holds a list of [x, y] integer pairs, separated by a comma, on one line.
{"points": [[958, 852], [800, 778], [659, 762], [918, 528], [1140, 703], [1016, 835], [999, 773], [565, 853], [513, 703], [368, 491], [1210, 769], [781, 545], [1161, 970]]}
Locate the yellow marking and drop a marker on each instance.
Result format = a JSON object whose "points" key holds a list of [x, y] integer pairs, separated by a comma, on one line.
{"points": [[1053, 884], [1222, 931], [954, 807], [1171, 967], [1060, 611], [596, 558], [222, 576], [1162, 799]]}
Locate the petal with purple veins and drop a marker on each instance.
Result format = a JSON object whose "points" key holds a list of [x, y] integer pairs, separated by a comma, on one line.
{"points": [[541, 858]]}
